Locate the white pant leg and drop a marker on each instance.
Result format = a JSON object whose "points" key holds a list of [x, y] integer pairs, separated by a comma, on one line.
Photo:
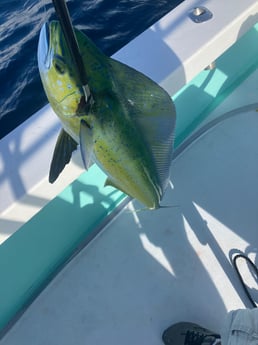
{"points": [[241, 328]]}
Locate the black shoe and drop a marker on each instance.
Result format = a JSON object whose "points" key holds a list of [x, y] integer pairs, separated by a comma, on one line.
{"points": [[187, 333]]}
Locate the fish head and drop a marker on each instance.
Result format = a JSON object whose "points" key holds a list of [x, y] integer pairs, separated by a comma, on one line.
{"points": [[58, 73]]}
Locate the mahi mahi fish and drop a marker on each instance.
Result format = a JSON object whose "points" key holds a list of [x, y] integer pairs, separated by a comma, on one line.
{"points": [[127, 130]]}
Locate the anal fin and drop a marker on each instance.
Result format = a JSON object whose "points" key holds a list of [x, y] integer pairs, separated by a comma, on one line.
{"points": [[111, 183]]}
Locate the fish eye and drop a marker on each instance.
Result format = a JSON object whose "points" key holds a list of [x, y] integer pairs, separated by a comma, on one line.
{"points": [[59, 65]]}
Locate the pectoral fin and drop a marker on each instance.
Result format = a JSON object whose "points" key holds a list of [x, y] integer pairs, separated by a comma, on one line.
{"points": [[64, 148], [86, 143]]}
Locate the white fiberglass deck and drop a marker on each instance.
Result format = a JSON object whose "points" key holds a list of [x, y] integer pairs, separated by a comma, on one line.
{"points": [[150, 269]]}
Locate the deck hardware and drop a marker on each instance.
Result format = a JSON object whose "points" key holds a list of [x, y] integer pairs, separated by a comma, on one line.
{"points": [[211, 66], [200, 14]]}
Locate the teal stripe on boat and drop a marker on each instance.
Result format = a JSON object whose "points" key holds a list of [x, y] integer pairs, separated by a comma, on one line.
{"points": [[195, 101], [30, 257]]}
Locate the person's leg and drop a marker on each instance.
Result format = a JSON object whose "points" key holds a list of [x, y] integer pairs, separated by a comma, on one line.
{"points": [[241, 328]]}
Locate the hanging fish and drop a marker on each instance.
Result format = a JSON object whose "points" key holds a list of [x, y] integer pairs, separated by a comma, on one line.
{"points": [[127, 128]]}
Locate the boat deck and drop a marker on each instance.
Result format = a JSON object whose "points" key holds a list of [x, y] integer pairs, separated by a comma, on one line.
{"points": [[149, 269]]}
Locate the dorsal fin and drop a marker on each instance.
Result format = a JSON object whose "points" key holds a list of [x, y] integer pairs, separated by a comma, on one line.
{"points": [[64, 148]]}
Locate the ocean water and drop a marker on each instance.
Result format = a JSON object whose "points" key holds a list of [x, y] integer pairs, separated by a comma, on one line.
{"points": [[110, 24]]}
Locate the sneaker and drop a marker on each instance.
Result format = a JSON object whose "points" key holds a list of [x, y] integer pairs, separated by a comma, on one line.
{"points": [[186, 333]]}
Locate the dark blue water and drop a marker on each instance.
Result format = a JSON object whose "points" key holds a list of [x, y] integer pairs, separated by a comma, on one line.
{"points": [[109, 23]]}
